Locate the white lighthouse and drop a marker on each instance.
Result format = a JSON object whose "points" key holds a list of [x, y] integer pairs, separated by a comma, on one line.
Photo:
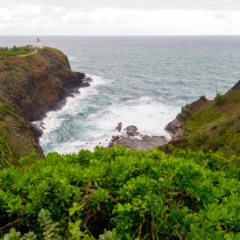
{"points": [[38, 42]]}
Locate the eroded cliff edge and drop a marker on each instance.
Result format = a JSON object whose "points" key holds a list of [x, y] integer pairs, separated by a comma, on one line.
{"points": [[30, 87], [209, 125]]}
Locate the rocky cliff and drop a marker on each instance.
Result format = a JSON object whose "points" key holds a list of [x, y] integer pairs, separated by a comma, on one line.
{"points": [[175, 128], [209, 125], [29, 87]]}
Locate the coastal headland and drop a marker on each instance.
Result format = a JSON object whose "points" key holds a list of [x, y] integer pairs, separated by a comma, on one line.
{"points": [[29, 88]]}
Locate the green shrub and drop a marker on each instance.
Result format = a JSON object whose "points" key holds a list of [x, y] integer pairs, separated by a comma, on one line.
{"points": [[132, 194], [220, 99], [203, 98]]}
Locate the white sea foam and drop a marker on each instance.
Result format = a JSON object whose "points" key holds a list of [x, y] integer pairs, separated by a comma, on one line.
{"points": [[54, 119], [149, 116], [72, 58], [66, 131]]}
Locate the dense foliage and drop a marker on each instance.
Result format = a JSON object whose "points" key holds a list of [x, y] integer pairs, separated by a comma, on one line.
{"points": [[120, 194]]}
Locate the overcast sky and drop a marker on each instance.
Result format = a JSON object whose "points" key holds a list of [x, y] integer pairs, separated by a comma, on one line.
{"points": [[119, 17]]}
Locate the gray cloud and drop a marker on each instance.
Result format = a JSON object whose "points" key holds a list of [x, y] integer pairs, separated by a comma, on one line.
{"points": [[226, 5]]}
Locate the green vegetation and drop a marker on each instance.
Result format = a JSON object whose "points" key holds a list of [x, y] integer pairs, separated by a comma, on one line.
{"points": [[120, 194], [203, 98], [174, 193], [5, 154], [13, 129], [15, 51], [220, 99], [214, 125]]}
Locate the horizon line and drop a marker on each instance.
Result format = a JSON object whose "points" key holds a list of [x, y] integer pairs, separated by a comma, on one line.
{"points": [[108, 35]]}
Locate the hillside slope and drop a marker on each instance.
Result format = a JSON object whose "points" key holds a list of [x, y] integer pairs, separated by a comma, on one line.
{"points": [[29, 87], [210, 125]]}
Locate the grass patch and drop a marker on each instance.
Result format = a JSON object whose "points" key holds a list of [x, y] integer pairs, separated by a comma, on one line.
{"points": [[5, 153], [6, 110], [13, 54], [15, 51]]}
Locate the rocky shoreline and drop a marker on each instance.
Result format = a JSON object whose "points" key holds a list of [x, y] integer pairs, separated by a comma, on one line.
{"points": [[129, 137], [29, 88], [133, 139], [174, 127], [82, 82]]}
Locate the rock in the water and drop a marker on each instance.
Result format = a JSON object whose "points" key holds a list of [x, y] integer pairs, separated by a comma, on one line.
{"points": [[115, 138], [132, 131], [119, 126], [135, 140]]}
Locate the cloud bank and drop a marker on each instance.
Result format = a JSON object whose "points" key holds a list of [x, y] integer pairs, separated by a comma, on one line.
{"points": [[215, 5], [111, 17]]}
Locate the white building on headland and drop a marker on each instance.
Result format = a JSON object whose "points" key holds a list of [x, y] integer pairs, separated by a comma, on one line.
{"points": [[38, 42]]}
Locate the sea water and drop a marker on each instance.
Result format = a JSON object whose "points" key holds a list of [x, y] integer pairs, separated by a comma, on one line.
{"points": [[142, 81]]}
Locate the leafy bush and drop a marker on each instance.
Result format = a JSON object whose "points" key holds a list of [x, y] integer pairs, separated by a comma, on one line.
{"points": [[203, 98], [120, 194], [220, 99]]}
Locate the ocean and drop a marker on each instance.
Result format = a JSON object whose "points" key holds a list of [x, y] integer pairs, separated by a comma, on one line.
{"points": [[137, 80]]}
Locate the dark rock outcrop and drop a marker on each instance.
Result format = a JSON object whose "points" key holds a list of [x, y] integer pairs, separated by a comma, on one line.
{"points": [[137, 141], [132, 131], [119, 127], [174, 127], [236, 86]]}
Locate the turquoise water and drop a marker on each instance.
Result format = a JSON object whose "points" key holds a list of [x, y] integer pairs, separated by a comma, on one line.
{"points": [[142, 81]]}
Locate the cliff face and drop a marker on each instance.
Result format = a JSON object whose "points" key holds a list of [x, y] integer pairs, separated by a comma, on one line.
{"points": [[175, 128], [29, 87], [209, 125]]}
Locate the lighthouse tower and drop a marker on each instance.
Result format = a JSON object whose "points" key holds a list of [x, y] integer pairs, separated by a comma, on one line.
{"points": [[38, 42]]}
